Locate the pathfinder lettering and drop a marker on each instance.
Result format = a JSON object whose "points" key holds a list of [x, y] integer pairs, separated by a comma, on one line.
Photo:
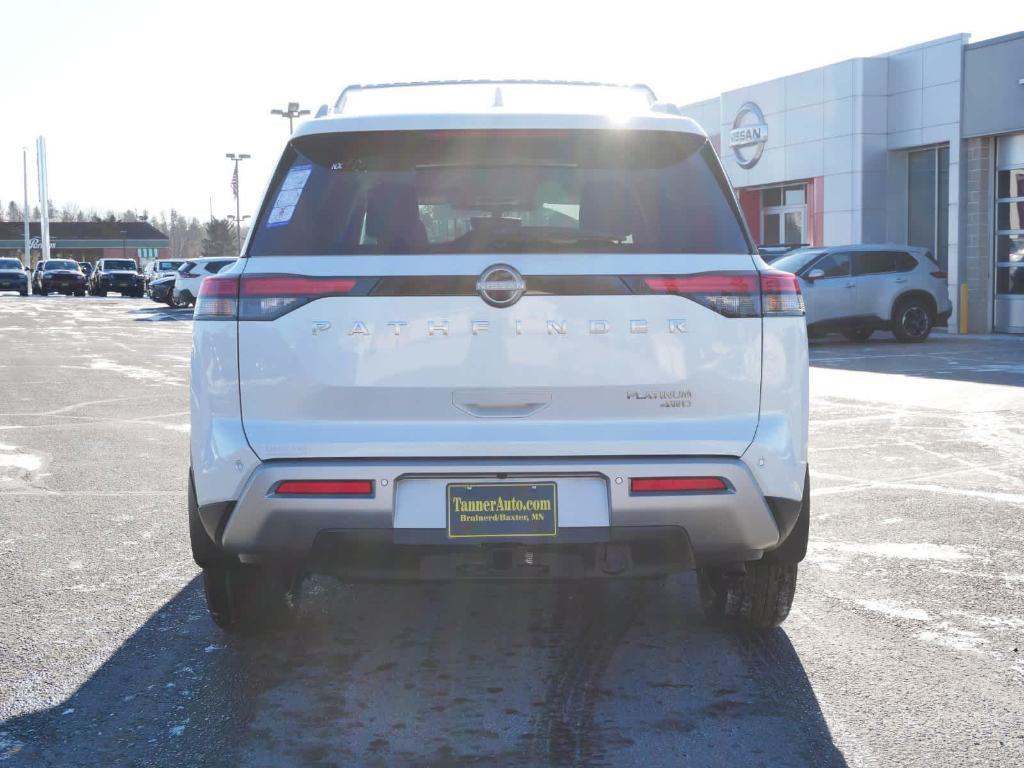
{"points": [[441, 328]]}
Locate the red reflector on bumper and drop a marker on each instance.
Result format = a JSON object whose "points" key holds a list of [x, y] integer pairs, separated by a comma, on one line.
{"points": [[326, 487], [676, 484]]}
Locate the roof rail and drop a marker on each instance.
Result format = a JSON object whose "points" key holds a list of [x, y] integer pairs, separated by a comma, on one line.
{"points": [[339, 105]]}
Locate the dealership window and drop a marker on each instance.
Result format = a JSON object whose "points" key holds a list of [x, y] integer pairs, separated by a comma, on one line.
{"points": [[928, 194], [1010, 232], [784, 215]]}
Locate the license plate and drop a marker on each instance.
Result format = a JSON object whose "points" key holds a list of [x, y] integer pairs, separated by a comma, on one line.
{"points": [[493, 510]]}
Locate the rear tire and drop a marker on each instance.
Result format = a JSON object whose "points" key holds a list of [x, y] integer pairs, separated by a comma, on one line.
{"points": [[242, 599], [758, 599], [912, 320], [250, 599], [858, 333]]}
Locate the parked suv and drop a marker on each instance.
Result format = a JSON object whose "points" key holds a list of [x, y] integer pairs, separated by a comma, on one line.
{"points": [[161, 268], [859, 289], [13, 276], [60, 275], [117, 276], [499, 343], [191, 275], [774, 252]]}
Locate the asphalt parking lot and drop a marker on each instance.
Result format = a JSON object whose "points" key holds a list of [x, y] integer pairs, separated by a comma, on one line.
{"points": [[905, 646]]}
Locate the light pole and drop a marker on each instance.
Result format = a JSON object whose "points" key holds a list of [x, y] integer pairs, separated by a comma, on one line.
{"points": [[291, 113], [24, 217], [234, 188], [238, 229]]}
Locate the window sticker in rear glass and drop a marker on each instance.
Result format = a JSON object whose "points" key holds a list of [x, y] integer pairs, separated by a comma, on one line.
{"points": [[288, 196]]}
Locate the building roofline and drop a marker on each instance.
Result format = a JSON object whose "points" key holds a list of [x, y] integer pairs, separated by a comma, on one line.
{"points": [[996, 40], [962, 36]]}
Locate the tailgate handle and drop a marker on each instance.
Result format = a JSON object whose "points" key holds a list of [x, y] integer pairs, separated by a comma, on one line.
{"points": [[500, 404]]}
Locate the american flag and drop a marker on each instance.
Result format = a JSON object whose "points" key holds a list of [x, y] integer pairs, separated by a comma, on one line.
{"points": [[234, 182]]}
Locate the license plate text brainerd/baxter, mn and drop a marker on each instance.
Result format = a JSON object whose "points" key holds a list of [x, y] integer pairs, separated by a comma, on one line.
{"points": [[490, 510]]}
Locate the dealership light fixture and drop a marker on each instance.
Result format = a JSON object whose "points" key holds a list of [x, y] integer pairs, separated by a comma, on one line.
{"points": [[291, 113]]}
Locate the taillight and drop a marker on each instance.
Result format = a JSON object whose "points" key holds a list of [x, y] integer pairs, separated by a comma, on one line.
{"points": [[780, 294], [325, 488], [939, 274], [267, 297], [639, 486], [217, 299], [735, 294]]}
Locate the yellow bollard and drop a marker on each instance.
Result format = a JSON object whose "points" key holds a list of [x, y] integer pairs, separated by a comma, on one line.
{"points": [[962, 314]]}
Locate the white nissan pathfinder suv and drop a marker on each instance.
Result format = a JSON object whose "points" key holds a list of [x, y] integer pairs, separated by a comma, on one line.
{"points": [[499, 330]]}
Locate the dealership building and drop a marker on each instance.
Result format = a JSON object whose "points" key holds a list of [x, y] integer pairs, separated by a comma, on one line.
{"points": [[923, 146], [86, 241]]}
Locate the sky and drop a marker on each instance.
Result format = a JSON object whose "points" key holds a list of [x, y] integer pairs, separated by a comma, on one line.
{"points": [[139, 101]]}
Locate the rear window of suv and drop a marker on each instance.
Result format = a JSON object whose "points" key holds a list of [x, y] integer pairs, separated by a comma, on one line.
{"points": [[112, 264], [213, 267], [467, 191], [52, 264]]}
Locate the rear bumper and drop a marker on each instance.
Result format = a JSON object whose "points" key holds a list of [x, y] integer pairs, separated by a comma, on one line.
{"points": [[407, 509], [425, 554]]}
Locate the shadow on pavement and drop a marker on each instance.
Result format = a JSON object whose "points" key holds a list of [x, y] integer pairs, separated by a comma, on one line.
{"points": [[980, 360], [615, 674], [161, 312], [161, 699]]}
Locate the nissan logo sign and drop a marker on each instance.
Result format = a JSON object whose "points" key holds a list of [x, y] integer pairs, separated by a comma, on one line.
{"points": [[748, 135], [500, 285]]}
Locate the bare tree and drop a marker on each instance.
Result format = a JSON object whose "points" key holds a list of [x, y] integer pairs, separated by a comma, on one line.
{"points": [[71, 212]]}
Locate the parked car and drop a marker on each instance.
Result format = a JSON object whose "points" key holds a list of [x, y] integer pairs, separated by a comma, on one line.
{"points": [[859, 289], [60, 275], [530, 350], [160, 289], [13, 276], [771, 253], [117, 276], [161, 268], [191, 275]]}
